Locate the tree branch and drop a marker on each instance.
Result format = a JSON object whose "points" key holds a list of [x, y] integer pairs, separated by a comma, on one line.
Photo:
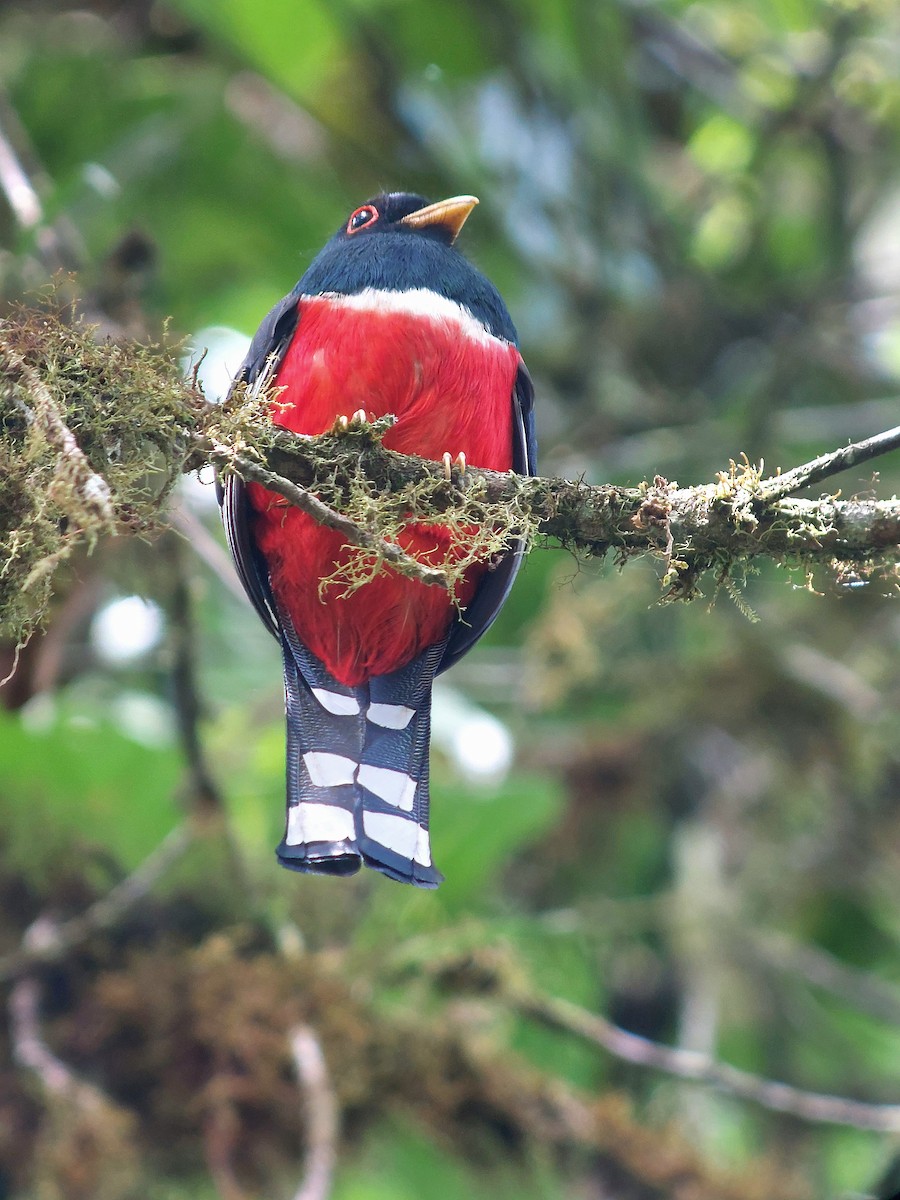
{"points": [[23, 200], [829, 464], [490, 973], [859, 989], [32, 1052], [91, 489], [698, 1067], [320, 1112], [125, 400], [50, 941]]}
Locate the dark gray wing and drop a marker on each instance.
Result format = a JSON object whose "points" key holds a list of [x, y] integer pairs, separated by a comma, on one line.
{"points": [[263, 358], [496, 585]]}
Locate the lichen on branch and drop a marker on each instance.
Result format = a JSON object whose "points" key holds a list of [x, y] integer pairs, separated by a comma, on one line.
{"points": [[94, 434]]}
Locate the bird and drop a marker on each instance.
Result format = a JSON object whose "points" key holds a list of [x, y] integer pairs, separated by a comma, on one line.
{"points": [[389, 318]]}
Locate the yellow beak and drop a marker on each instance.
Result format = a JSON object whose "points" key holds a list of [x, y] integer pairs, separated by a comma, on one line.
{"points": [[451, 214]]}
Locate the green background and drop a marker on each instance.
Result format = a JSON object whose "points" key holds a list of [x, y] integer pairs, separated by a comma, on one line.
{"points": [[692, 212]]}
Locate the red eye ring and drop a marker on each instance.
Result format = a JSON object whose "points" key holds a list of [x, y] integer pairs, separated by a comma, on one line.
{"points": [[362, 217]]}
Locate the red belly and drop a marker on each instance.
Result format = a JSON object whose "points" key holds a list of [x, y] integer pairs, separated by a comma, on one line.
{"points": [[449, 391]]}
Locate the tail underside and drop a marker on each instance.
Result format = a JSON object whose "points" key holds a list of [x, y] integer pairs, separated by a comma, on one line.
{"points": [[357, 768]]}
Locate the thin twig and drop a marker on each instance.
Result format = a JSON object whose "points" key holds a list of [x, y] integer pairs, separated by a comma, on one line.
{"points": [[827, 465], [23, 200], [861, 990], [50, 942], [390, 552], [95, 1133], [702, 1068], [220, 1131], [28, 1046], [204, 798], [32, 1052], [206, 548], [320, 1114], [56, 242]]}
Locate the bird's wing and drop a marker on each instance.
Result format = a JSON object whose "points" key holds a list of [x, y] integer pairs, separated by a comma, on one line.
{"points": [[258, 368], [496, 584]]}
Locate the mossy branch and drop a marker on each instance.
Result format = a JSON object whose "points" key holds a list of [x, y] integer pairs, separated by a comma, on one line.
{"points": [[695, 529], [94, 434]]}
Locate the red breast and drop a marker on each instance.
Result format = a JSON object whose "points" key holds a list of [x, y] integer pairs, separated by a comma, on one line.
{"points": [[449, 383]]}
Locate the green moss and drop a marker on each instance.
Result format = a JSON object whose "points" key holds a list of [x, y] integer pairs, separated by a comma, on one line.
{"points": [[93, 435]]}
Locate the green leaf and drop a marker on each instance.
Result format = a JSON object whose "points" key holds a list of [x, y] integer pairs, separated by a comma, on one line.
{"points": [[295, 43]]}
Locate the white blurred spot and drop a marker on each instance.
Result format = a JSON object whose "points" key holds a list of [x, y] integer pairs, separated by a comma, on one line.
{"points": [[478, 743], [483, 748], [877, 254], [137, 715], [144, 719], [101, 180], [40, 713], [125, 629], [225, 350]]}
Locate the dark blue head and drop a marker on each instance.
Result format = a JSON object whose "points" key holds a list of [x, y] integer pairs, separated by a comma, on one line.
{"points": [[399, 241]]}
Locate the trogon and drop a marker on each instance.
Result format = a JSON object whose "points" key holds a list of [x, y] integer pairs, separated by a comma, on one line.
{"points": [[389, 318]]}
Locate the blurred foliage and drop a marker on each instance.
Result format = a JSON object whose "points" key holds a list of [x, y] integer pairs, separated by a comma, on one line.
{"points": [[692, 211]]}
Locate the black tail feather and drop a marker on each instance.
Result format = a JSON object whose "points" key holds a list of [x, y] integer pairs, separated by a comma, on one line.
{"points": [[357, 768]]}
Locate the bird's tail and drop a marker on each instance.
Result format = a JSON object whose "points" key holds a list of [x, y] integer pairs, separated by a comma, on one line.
{"points": [[357, 768]]}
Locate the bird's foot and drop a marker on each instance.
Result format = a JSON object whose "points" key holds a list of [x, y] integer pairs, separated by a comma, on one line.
{"points": [[449, 464], [357, 421]]}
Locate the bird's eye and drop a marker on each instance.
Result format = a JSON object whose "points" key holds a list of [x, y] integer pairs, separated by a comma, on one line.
{"points": [[367, 215]]}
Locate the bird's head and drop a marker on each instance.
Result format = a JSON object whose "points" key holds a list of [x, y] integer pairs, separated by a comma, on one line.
{"points": [[398, 241]]}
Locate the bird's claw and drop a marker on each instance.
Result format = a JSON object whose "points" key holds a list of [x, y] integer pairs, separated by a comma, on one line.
{"points": [[449, 464], [356, 421]]}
